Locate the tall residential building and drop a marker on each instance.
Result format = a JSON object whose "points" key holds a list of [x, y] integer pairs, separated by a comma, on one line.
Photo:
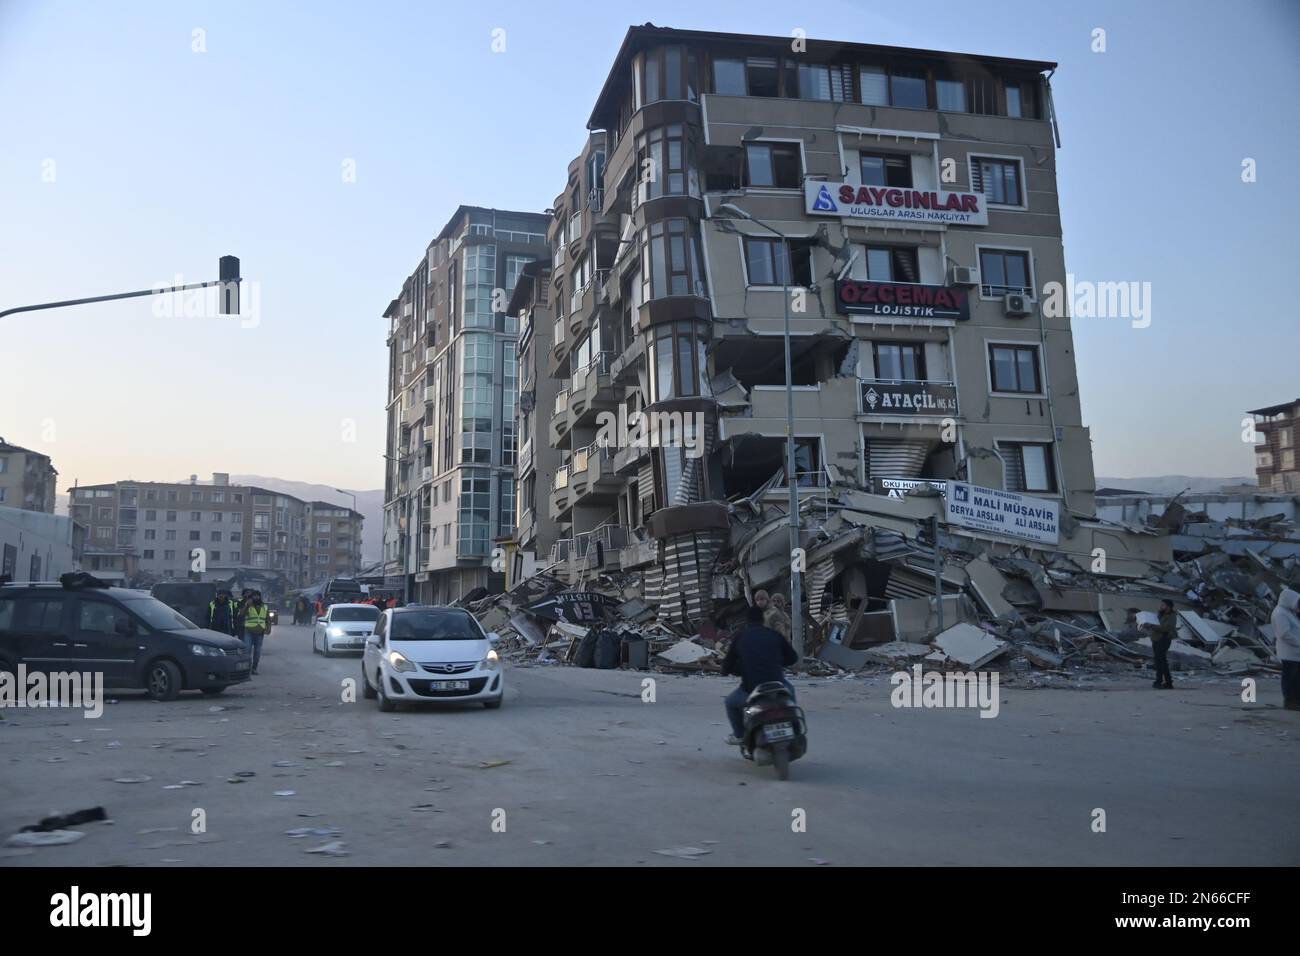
{"points": [[333, 540], [452, 386], [535, 530], [152, 529], [1275, 456], [27, 479], [899, 204]]}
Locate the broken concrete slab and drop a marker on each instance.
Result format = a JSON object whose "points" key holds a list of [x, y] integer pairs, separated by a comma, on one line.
{"points": [[988, 583], [897, 651], [970, 646], [686, 652], [844, 657], [1041, 657]]}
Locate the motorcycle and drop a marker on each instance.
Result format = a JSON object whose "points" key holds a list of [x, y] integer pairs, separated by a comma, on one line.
{"points": [[775, 729]]}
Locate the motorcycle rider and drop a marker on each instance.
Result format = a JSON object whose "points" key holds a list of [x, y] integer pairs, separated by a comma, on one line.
{"points": [[757, 655]]}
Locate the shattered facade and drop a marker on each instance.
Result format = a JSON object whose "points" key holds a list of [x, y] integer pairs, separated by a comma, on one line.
{"points": [[918, 351]]}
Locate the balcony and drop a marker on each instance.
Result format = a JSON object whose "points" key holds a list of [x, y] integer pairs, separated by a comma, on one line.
{"points": [[600, 548], [428, 434], [637, 552], [627, 459], [623, 369], [592, 390], [430, 392], [426, 474], [561, 498], [561, 420], [575, 228], [592, 477], [430, 354]]}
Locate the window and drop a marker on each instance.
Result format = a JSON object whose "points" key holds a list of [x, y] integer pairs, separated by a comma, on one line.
{"points": [[44, 616], [1022, 99], [886, 169], [1003, 271], [262, 521], [892, 264], [214, 555], [148, 554], [150, 534], [236, 536], [104, 532], [775, 165], [1027, 466], [170, 535], [215, 536], [951, 95], [678, 362], [767, 264], [819, 81], [1014, 368], [670, 260], [195, 536], [150, 515], [667, 73], [475, 513], [236, 518], [169, 555], [322, 542], [997, 179], [100, 617], [196, 515], [807, 462], [196, 496], [755, 76], [899, 361], [663, 152], [894, 86]]}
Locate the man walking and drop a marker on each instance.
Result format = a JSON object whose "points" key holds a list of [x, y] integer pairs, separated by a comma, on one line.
{"points": [[1161, 637], [1286, 645], [221, 614], [255, 627], [757, 655]]}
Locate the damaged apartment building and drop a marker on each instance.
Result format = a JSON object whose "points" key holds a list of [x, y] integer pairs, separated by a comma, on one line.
{"points": [[449, 488], [897, 207]]}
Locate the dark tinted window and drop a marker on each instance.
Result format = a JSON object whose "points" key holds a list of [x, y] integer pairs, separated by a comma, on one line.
{"points": [[100, 617], [435, 624], [43, 614], [354, 614], [6, 614]]}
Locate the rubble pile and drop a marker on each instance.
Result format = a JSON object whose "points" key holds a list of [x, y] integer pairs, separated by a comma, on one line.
{"points": [[870, 580]]}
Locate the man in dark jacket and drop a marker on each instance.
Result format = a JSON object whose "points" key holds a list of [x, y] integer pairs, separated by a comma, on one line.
{"points": [[757, 655], [1161, 637], [221, 614]]}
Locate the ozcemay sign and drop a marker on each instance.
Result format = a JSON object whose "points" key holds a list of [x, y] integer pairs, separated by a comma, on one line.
{"points": [[852, 201]]}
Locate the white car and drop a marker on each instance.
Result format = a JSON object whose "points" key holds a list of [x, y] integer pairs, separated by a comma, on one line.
{"points": [[344, 627], [422, 654]]}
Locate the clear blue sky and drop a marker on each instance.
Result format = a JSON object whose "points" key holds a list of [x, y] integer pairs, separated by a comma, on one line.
{"points": [[165, 159]]}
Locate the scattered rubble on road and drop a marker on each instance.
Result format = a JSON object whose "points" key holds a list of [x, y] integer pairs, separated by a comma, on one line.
{"points": [[870, 579]]}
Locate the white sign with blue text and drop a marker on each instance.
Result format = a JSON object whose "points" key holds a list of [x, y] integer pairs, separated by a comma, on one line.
{"points": [[1003, 512]]}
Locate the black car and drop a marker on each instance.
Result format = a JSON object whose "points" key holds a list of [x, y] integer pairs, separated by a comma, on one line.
{"points": [[130, 637]]}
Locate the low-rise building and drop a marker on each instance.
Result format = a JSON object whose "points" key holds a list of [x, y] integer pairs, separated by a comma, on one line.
{"points": [[28, 479], [1275, 455]]}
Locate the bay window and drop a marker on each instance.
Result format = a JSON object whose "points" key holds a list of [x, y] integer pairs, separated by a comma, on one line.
{"points": [[678, 367], [670, 260]]}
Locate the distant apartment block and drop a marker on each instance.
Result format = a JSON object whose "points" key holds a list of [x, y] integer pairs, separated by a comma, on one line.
{"points": [[1275, 455], [27, 479], [449, 488], [157, 530]]}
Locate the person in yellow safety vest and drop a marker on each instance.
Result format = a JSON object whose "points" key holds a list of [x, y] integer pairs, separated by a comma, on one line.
{"points": [[255, 627]]}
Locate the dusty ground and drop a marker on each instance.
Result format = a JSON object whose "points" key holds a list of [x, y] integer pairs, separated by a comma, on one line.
{"points": [[594, 775]]}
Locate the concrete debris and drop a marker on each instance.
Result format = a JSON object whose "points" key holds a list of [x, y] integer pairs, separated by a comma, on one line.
{"points": [[969, 645], [671, 599]]}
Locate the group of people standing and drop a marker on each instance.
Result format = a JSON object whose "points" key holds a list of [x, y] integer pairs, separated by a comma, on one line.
{"points": [[247, 619]]}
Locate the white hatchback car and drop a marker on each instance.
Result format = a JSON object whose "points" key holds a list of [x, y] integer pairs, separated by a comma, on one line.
{"points": [[344, 627], [421, 654]]}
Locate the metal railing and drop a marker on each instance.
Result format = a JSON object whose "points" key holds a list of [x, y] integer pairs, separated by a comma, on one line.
{"points": [[561, 479], [561, 400]]}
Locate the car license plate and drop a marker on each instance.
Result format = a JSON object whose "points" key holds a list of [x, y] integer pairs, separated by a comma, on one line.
{"points": [[451, 685], [241, 665], [778, 731]]}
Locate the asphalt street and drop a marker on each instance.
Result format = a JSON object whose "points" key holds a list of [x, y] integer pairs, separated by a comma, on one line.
{"points": [[578, 768]]}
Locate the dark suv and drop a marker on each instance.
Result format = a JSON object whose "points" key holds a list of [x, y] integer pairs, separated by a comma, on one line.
{"points": [[133, 639]]}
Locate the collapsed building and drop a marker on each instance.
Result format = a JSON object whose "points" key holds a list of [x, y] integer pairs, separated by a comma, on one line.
{"points": [[896, 210]]}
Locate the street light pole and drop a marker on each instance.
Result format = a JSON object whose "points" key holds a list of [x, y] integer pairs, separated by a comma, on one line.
{"points": [[354, 511], [796, 574], [227, 269]]}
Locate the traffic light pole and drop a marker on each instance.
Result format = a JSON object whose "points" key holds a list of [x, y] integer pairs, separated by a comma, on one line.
{"points": [[228, 270]]}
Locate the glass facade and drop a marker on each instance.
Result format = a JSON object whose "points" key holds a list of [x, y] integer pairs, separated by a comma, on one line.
{"points": [[480, 281]]}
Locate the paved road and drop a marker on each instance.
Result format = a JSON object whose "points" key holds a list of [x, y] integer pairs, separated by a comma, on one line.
{"points": [[592, 774]]}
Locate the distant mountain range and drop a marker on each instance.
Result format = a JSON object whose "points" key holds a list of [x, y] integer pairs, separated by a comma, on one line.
{"points": [[1172, 484]]}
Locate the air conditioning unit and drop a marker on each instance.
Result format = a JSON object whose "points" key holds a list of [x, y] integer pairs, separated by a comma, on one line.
{"points": [[1018, 304], [963, 275]]}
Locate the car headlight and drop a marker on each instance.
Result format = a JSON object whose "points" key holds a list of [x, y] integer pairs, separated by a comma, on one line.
{"points": [[335, 632], [205, 650], [399, 663], [491, 661]]}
